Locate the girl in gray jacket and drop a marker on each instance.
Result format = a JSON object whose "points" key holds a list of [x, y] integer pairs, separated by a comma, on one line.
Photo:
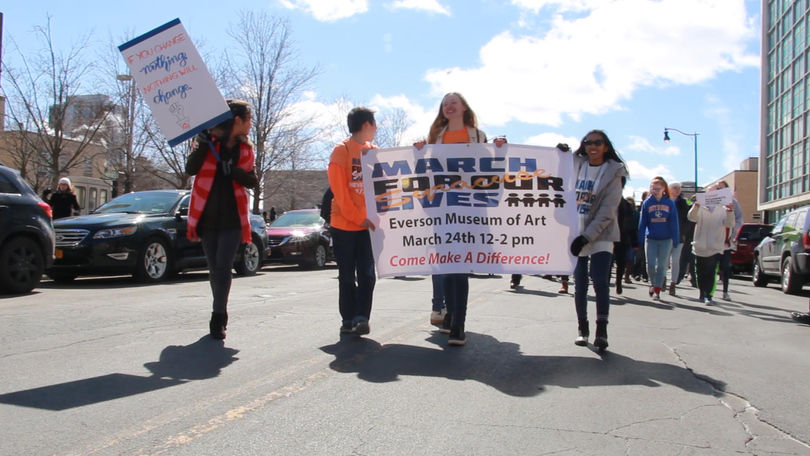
{"points": [[601, 175]]}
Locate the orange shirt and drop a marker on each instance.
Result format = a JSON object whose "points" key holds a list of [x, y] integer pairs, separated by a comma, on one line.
{"points": [[456, 137], [346, 181]]}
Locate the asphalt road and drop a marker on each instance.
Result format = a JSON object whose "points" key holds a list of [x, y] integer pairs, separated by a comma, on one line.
{"points": [[108, 367]]}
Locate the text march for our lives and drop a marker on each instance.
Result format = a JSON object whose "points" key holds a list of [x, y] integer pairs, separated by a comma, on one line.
{"points": [[463, 208], [174, 81]]}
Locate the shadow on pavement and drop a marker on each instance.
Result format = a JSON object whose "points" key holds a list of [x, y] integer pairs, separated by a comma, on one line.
{"points": [[177, 365], [502, 366]]}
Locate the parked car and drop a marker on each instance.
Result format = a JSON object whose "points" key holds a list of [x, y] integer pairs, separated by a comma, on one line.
{"points": [[747, 238], [26, 234], [783, 254], [300, 236], [143, 234]]}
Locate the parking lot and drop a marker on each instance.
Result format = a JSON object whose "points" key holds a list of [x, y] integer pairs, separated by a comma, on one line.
{"points": [[111, 366]]}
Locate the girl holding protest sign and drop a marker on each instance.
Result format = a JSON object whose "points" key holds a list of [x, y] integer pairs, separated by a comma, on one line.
{"points": [[223, 162], [658, 224], [455, 124], [709, 243], [601, 175]]}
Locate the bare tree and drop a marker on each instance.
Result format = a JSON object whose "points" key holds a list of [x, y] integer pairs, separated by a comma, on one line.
{"points": [[391, 128], [44, 95], [266, 72]]}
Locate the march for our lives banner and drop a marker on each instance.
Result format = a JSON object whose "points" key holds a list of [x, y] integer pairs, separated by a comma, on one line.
{"points": [[173, 79], [464, 208]]}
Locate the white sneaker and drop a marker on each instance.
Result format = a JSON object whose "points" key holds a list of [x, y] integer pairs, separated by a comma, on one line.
{"points": [[437, 318], [656, 296], [726, 297], [708, 302]]}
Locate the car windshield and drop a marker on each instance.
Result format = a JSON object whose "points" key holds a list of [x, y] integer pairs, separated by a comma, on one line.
{"points": [[298, 219], [754, 233], [141, 203]]}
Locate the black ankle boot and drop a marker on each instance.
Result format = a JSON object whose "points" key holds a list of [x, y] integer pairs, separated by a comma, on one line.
{"points": [[217, 325], [584, 332], [601, 339]]}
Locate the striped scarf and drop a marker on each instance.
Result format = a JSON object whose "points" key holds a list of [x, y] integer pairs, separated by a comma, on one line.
{"points": [[202, 188]]}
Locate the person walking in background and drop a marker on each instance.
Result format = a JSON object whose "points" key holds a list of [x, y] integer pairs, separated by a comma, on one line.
{"points": [[63, 201], [350, 224], [272, 214], [218, 213], [659, 232], [684, 227], [731, 235], [640, 266], [710, 234], [628, 240], [456, 123], [631, 251], [601, 175]]}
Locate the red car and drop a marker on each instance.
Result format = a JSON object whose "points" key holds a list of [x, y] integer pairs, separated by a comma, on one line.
{"points": [[748, 237], [300, 236]]}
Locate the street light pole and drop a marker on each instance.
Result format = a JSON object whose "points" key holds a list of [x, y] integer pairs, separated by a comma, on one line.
{"points": [[129, 124], [694, 139]]}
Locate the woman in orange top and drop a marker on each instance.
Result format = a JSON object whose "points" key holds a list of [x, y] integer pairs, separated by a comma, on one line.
{"points": [[351, 241], [456, 123]]}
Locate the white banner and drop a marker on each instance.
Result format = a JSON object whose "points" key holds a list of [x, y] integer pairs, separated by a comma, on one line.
{"points": [[719, 197], [463, 208], [175, 82]]}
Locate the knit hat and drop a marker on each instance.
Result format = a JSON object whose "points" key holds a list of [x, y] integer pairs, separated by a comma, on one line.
{"points": [[65, 180]]}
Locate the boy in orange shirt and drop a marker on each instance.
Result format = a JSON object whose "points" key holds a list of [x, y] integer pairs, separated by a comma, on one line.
{"points": [[351, 241]]}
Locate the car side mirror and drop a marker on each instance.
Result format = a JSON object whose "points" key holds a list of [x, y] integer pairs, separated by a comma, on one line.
{"points": [[182, 212]]}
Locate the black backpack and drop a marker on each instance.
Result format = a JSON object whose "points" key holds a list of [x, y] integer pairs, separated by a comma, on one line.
{"points": [[326, 205]]}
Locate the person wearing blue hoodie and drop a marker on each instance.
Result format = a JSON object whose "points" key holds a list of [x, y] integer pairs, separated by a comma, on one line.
{"points": [[658, 225]]}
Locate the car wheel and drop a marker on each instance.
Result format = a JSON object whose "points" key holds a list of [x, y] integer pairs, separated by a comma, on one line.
{"points": [[759, 279], [154, 261], [791, 283], [61, 277], [318, 260], [21, 265], [251, 260]]}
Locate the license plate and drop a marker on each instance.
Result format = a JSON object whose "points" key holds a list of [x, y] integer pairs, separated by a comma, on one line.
{"points": [[58, 253]]}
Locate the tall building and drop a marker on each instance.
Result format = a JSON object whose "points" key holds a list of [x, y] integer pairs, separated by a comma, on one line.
{"points": [[784, 178]]}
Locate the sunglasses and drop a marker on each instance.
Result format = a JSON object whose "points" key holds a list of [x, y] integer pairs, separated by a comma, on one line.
{"points": [[596, 143]]}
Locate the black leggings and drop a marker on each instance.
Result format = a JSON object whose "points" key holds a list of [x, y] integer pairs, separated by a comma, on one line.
{"points": [[706, 269], [220, 248]]}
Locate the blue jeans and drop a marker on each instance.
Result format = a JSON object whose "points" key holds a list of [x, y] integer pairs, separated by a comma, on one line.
{"points": [[356, 274], [438, 292], [220, 247], [456, 293], [657, 255], [600, 274]]}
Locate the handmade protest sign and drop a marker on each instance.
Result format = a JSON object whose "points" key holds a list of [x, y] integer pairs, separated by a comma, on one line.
{"points": [[463, 208], [715, 198], [173, 79]]}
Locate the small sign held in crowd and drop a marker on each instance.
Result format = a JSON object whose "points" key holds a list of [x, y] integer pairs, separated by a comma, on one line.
{"points": [[715, 198]]}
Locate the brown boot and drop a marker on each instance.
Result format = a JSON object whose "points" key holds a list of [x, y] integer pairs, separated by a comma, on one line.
{"points": [[672, 288], [564, 288]]}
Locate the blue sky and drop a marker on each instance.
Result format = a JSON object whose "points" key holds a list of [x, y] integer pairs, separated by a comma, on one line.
{"points": [[538, 71]]}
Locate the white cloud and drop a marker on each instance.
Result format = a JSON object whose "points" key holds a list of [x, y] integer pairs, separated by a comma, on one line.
{"points": [[328, 10], [640, 177], [639, 144], [588, 63], [419, 115], [552, 139], [432, 6]]}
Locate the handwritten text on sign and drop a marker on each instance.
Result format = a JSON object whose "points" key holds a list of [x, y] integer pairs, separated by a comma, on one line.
{"points": [[174, 81], [461, 208]]}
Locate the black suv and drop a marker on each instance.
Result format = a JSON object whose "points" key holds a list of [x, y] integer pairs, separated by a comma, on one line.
{"points": [[785, 253], [26, 234], [143, 234]]}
